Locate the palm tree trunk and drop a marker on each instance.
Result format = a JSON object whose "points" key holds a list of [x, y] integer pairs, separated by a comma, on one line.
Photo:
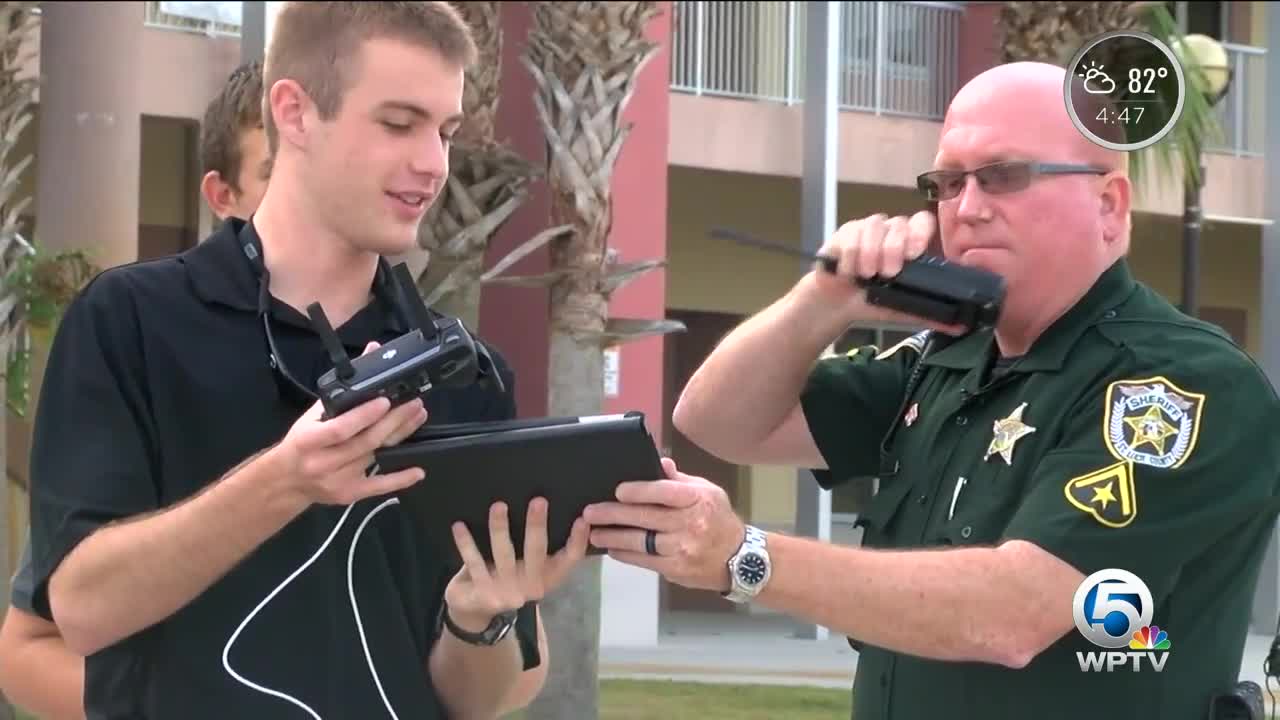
{"points": [[572, 612], [487, 183], [17, 23], [585, 58]]}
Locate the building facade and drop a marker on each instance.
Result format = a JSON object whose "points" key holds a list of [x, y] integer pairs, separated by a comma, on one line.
{"points": [[717, 142]]}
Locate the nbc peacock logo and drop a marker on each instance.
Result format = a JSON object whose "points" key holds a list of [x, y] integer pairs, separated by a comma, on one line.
{"points": [[1150, 638], [1113, 608]]}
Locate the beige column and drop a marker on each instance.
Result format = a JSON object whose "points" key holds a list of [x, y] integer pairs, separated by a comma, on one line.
{"points": [[88, 153], [87, 177]]}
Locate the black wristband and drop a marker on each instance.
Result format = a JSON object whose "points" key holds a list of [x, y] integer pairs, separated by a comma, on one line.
{"points": [[499, 626]]}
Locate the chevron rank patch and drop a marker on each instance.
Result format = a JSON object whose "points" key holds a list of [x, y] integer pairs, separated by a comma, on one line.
{"points": [[1151, 421], [915, 342], [1108, 495]]}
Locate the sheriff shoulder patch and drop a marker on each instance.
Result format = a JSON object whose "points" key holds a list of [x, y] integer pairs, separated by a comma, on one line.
{"points": [[915, 342], [1151, 421], [1107, 494]]}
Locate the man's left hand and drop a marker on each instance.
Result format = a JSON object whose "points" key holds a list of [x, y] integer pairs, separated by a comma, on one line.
{"points": [[482, 590], [695, 528]]}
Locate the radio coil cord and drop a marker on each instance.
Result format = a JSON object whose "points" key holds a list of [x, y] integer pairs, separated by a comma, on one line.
{"points": [[355, 610]]}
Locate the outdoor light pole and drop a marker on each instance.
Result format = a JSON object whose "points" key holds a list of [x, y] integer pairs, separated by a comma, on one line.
{"points": [[1212, 60], [253, 30]]}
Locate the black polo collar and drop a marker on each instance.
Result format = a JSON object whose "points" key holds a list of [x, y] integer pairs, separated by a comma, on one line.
{"points": [[223, 274], [219, 271], [1050, 351]]}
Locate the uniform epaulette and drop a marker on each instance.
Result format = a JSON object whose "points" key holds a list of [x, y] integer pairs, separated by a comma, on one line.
{"points": [[915, 342], [862, 349]]}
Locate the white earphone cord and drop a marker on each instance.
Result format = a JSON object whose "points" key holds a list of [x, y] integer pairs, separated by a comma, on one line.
{"points": [[355, 610]]}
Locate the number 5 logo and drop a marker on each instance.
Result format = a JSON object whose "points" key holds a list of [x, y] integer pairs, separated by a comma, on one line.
{"points": [[1101, 596]]}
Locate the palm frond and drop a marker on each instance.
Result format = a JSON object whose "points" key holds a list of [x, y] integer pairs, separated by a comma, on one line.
{"points": [[1177, 156], [1053, 32]]}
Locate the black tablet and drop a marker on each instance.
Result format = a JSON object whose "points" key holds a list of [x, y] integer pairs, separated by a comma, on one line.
{"points": [[572, 462]]}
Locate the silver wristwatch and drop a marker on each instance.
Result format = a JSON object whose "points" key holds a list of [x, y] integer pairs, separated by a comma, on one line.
{"points": [[749, 568]]}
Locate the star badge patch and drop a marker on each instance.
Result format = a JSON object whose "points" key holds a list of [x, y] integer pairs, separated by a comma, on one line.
{"points": [[1007, 433], [1107, 494]]}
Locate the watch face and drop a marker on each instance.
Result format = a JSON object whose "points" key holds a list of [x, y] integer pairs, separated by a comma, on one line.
{"points": [[1124, 90], [752, 569], [500, 626]]}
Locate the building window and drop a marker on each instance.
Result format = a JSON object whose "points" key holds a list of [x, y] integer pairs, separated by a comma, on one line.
{"points": [[907, 34], [1201, 18]]}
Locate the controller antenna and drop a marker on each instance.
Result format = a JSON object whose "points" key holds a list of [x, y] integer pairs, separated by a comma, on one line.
{"points": [[413, 304], [320, 322]]}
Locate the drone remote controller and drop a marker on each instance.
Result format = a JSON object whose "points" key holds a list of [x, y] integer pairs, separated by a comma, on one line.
{"points": [[433, 354]]}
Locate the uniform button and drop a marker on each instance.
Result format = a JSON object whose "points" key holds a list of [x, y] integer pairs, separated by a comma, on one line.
{"points": [[922, 499], [962, 420], [966, 531], [1109, 314]]}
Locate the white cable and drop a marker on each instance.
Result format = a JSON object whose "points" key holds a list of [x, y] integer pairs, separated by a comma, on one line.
{"points": [[226, 650], [351, 591]]}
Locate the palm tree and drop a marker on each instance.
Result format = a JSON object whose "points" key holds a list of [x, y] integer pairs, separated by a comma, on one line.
{"points": [[17, 23], [488, 181], [585, 58], [1053, 31]]}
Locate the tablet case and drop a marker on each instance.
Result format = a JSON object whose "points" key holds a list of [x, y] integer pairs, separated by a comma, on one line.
{"points": [[572, 462]]}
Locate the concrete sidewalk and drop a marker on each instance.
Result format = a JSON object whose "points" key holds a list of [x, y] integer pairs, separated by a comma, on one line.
{"points": [[734, 648], [763, 649]]}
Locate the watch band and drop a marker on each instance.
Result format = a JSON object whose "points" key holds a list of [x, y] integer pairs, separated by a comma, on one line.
{"points": [[493, 634], [753, 547]]}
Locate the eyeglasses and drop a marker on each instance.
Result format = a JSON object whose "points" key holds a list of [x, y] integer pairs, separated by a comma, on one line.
{"points": [[997, 179]]}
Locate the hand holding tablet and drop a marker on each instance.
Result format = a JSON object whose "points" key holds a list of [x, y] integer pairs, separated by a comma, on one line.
{"points": [[569, 462]]}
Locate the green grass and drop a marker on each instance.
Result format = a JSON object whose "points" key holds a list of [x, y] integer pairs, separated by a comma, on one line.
{"points": [[665, 700]]}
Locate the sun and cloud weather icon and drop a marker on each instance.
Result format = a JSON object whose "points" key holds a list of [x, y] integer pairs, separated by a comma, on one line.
{"points": [[1096, 81]]}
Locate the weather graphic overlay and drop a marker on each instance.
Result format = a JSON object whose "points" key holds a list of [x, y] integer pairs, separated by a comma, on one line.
{"points": [[1125, 90]]}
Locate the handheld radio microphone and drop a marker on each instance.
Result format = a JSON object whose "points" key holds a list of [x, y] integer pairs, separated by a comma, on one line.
{"points": [[928, 287]]}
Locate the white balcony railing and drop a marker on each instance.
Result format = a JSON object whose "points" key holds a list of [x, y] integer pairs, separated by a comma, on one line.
{"points": [[1242, 112], [208, 18], [898, 58]]}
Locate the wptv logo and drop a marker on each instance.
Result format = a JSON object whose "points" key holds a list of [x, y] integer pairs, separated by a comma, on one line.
{"points": [[1113, 610]]}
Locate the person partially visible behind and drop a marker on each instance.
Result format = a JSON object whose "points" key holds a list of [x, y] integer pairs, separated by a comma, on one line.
{"points": [[37, 670], [235, 162]]}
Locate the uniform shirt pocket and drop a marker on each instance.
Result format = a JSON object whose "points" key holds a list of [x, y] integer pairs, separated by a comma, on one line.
{"points": [[877, 521], [974, 507]]}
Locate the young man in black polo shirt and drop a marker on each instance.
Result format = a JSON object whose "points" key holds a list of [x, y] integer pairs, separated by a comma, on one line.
{"points": [[37, 670], [197, 529]]}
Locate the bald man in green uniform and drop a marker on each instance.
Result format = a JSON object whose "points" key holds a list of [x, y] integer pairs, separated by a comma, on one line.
{"points": [[1096, 428]]}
